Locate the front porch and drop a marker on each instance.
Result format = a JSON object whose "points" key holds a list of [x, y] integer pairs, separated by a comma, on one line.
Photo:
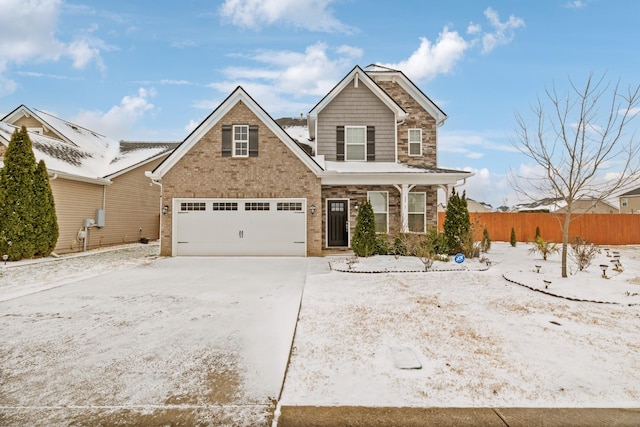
{"points": [[397, 208]]}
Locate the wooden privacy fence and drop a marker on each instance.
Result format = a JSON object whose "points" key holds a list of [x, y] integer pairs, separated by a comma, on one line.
{"points": [[601, 229]]}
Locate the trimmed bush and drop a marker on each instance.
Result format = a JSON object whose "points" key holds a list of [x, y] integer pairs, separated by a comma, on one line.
{"points": [[383, 246], [485, 243], [28, 223], [513, 240], [363, 241], [45, 226], [457, 223], [17, 198]]}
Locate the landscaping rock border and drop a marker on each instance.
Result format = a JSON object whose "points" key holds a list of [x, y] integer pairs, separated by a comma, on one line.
{"points": [[504, 276]]}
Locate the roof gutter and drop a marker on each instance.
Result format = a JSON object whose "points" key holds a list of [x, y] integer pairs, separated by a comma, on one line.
{"points": [[71, 177], [377, 178]]}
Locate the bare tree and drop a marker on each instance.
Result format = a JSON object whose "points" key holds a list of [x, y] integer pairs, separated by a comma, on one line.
{"points": [[582, 143]]}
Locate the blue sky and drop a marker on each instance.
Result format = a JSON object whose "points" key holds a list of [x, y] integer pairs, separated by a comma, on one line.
{"points": [[150, 70]]}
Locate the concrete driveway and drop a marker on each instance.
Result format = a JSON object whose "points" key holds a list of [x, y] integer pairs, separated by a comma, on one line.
{"points": [[179, 340]]}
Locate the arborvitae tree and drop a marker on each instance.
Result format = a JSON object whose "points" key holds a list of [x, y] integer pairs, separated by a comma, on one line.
{"points": [[537, 234], [363, 241], [457, 223], [513, 240], [485, 244], [46, 224], [17, 199]]}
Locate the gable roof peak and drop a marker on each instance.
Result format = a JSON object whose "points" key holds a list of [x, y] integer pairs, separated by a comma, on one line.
{"points": [[218, 114], [378, 67]]}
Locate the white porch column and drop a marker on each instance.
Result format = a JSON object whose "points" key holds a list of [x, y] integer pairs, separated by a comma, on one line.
{"points": [[404, 190]]}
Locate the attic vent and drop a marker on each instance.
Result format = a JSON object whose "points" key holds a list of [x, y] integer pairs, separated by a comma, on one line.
{"points": [[74, 127]]}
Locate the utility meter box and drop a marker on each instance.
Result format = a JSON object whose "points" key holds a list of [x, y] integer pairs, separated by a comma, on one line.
{"points": [[100, 218]]}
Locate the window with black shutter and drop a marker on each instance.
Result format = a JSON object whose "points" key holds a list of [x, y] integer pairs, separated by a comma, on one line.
{"points": [[371, 143], [226, 140], [340, 143], [239, 140]]}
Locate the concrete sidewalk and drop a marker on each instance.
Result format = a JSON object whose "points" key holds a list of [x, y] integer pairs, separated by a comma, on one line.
{"points": [[355, 416]]}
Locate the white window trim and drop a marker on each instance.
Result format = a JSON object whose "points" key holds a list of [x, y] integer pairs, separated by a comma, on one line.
{"points": [[625, 202], [346, 144], [409, 142], [387, 211], [235, 142], [423, 213]]}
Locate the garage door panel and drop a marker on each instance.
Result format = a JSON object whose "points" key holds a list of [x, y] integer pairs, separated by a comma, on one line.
{"points": [[200, 234], [271, 227]]}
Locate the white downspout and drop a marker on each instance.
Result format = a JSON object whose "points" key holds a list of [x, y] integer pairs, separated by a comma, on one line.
{"points": [[158, 183]]}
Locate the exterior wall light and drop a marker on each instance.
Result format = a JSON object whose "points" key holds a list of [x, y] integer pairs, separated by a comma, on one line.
{"points": [[355, 206], [312, 208], [165, 209]]}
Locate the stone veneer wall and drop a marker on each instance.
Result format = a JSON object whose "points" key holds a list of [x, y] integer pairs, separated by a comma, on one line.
{"points": [[358, 193], [276, 172], [417, 117]]}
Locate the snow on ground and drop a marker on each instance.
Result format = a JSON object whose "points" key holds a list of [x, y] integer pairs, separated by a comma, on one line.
{"points": [[200, 339], [103, 344], [479, 339], [29, 276]]}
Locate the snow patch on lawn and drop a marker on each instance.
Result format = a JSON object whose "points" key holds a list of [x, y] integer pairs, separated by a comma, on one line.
{"points": [[481, 341]]}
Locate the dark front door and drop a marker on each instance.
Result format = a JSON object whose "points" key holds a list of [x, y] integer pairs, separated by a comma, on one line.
{"points": [[338, 223]]}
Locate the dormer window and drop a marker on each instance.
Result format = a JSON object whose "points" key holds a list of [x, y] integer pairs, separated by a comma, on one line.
{"points": [[415, 142]]}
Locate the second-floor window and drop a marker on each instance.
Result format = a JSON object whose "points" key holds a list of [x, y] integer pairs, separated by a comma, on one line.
{"points": [[355, 141], [240, 141], [415, 142], [625, 202]]}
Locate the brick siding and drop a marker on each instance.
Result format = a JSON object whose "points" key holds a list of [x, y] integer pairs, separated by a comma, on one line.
{"points": [[275, 173]]}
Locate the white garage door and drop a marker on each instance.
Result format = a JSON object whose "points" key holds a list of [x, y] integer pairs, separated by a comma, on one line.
{"points": [[273, 227]]}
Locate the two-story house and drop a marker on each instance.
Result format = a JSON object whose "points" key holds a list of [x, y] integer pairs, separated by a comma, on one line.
{"points": [[630, 201], [240, 185]]}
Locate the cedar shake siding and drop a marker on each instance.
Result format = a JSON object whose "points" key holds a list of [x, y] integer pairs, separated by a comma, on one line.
{"points": [[357, 107], [417, 118], [275, 172], [358, 193]]}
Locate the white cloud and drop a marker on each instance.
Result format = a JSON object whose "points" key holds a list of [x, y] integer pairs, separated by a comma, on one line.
{"points": [[487, 187], [431, 59], [503, 32], [118, 122], [314, 15], [28, 33], [189, 127], [281, 80], [472, 144], [576, 4]]}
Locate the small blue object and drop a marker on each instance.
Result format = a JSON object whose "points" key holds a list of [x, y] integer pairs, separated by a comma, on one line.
{"points": [[459, 258]]}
